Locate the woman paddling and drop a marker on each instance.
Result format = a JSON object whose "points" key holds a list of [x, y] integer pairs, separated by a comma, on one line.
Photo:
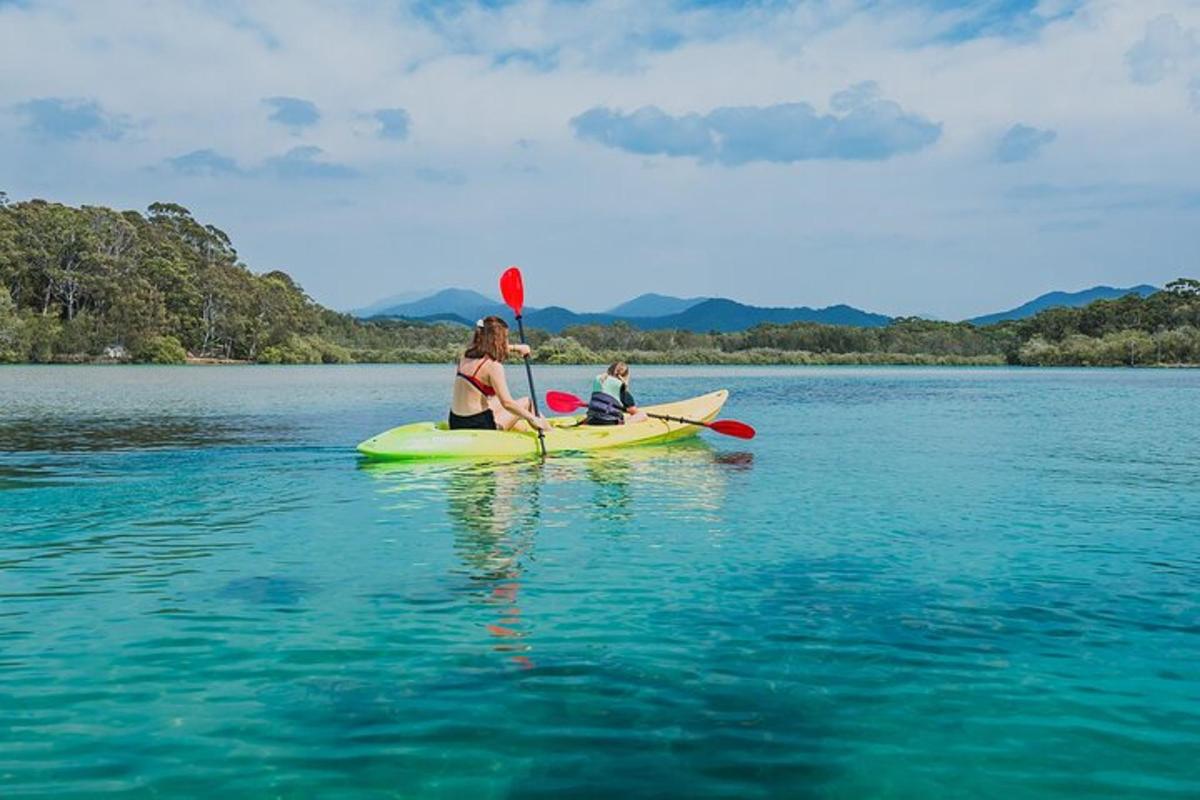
{"points": [[481, 398]]}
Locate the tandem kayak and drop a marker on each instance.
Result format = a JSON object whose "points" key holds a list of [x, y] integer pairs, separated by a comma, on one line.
{"points": [[434, 440]]}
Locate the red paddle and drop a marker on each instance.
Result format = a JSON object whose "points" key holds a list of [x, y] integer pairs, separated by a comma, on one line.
{"points": [[564, 403], [512, 288]]}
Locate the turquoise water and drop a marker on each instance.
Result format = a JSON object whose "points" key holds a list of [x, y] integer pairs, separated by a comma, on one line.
{"points": [[914, 583]]}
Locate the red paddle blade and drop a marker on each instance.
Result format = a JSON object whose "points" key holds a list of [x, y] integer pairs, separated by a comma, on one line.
{"points": [[731, 427], [512, 289], [562, 402]]}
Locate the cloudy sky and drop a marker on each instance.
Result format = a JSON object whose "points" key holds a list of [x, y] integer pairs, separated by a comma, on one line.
{"points": [[903, 156]]}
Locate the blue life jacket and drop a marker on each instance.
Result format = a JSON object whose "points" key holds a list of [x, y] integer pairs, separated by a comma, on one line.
{"points": [[605, 406]]}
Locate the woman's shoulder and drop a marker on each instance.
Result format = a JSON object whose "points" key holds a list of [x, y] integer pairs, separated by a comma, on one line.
{"points": [[481, 366]]}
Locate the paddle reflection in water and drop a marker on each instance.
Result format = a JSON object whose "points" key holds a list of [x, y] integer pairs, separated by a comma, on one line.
{"points": [[495, 508]]}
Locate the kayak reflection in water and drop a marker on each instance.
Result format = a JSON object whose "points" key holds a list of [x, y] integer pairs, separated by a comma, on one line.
{"points": [[481, 400], [611, 403]]}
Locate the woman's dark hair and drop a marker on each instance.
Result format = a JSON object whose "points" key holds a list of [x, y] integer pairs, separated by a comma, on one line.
{"points": [[490, 340]]}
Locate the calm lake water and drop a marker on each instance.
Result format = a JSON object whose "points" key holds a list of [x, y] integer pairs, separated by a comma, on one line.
{"points": [[914, 583]]}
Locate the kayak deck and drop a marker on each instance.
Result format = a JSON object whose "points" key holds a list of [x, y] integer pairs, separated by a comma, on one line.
{"points": [[421, 440]]}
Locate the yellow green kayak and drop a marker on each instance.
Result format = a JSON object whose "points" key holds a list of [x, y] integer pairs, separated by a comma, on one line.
{"points": [[435, 440]]}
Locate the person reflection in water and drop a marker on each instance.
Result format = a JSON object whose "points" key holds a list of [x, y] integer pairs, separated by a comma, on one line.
{"points": [[495, 516]]}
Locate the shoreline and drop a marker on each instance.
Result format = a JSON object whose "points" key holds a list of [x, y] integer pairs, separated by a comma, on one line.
{"points": [[202, 361]]}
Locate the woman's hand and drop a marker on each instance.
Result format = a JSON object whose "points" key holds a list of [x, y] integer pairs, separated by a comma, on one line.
{"points": [[541, 423], [522, 350]]}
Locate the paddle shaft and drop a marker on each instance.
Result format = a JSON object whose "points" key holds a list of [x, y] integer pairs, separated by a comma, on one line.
{"points": [[677, 419], [532, 393]]}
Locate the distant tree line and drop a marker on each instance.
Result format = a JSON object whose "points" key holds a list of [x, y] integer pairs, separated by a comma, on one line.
{"points": [[89, 283], [1163, 328]]}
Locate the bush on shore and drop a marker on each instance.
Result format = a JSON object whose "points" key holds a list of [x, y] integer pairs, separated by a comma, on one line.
{"points": [[305, 350], [160, 350]]}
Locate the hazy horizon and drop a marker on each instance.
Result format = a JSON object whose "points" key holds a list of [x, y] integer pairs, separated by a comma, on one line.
{"points": [[924, 157]]}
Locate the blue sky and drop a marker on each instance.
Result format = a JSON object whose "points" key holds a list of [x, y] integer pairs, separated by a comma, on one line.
{"points": [[915, 156]]}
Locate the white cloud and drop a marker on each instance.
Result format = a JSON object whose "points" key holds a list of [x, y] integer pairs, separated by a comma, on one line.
{"points": [[1022, 142], [863, 127], [1161, 51]]}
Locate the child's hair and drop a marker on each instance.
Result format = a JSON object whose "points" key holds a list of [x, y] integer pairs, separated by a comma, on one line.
{"points": [[490, 339], [619, 369]]}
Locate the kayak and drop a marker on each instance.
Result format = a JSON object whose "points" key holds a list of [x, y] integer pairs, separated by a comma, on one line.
{"points": [[421, 440]]}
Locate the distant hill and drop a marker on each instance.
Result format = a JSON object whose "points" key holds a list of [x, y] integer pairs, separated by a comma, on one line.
{"points": [[454, 318], [655, 305], [1070, 299], [555, 318], [728, 315], [380, 306], [462, 303]]}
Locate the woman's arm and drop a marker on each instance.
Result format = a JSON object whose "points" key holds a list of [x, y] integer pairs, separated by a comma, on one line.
{"points": [[500, 384], [628, 401]]}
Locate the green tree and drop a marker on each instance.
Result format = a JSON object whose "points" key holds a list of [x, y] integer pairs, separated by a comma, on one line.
{"points": [[1128, 347], [1184, 287], [41, 333], [11, 340], [1037, 352]]}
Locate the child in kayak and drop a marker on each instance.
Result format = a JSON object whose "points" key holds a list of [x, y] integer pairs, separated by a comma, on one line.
{"points": [[481, 399], [611, 403]]}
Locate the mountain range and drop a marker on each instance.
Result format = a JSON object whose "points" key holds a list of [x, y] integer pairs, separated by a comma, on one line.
{"points": [[700, 314]]}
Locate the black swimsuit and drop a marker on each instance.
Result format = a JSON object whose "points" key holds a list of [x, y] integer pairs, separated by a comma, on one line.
{"points": [[483, 421]]}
